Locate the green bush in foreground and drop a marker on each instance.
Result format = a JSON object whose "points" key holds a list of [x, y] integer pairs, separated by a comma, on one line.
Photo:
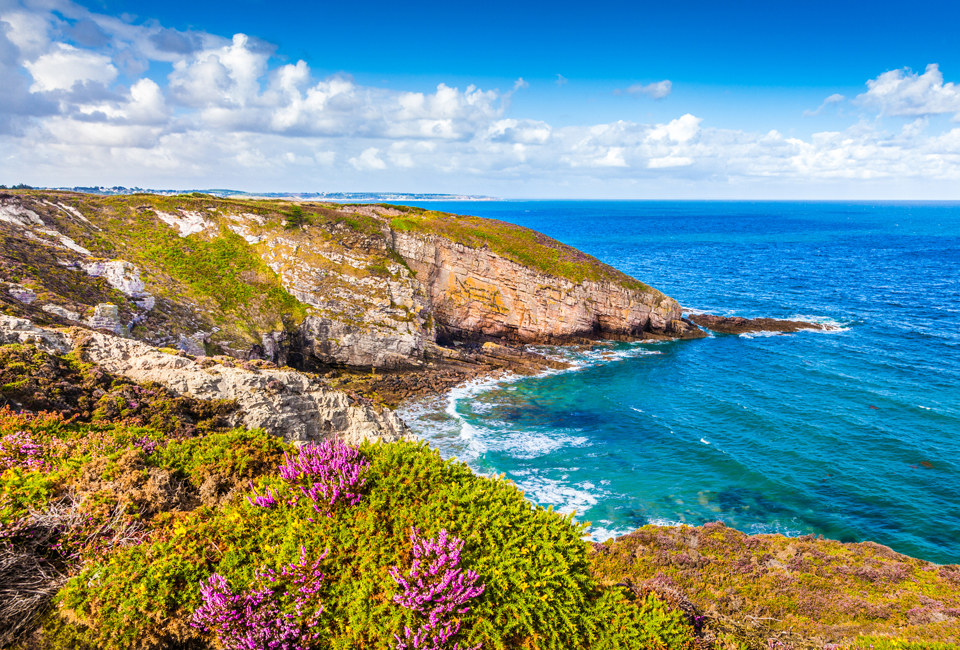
{"points": [[539, 593], [538, 589]]}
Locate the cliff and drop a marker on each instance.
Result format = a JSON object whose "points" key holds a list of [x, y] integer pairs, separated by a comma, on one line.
{"points": [[285, 403], [306, 285], [494, 279]]}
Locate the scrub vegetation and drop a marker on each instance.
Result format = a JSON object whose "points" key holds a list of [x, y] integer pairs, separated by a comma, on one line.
{"points": [[804, 591], [141, 528], [516, 243]]}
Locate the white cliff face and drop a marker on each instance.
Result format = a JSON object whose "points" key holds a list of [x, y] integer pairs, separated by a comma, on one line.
{"points": [[476, 291], [186, 221], [122, 276], [285, 403]]}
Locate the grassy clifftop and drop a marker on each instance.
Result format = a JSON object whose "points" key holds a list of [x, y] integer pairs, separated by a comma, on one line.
{"points": [[227, 271], [804, 591], [516, 243]]}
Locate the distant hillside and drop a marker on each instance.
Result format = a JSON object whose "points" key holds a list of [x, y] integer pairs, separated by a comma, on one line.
{"points": [[340, 197]]}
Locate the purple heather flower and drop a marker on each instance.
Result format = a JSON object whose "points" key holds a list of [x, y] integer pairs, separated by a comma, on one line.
{"points": [[267, 500], [20, 450], [253, 620], [333, 470], [436, 588]]}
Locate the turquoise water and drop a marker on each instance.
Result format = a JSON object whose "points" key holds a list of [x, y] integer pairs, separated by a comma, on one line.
{"points": [[854, 434]]}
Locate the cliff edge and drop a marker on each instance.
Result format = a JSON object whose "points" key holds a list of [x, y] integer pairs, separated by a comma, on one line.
{"points": [[308, 285]]}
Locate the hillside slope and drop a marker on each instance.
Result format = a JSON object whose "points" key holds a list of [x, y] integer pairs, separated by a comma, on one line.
{"points": [[307, 285]]}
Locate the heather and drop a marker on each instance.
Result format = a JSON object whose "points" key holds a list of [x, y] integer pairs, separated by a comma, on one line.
{"points": [[537, 589], [804, 592], [120, 533], [157, 525]]}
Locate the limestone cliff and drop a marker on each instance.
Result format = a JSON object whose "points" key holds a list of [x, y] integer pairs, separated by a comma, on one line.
{"points": [[307, 285], [475, 291]]}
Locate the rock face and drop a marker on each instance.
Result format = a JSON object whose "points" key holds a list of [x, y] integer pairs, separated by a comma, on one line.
{"points": [[359, 287], [283, 402], [738, 325], [474, 291]]}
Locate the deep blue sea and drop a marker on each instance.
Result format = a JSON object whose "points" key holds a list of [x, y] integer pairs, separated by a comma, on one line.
{"points": [[853, 434]]}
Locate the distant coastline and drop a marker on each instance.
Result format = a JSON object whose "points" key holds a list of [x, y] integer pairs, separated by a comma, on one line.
{"points": [[327, 197]]}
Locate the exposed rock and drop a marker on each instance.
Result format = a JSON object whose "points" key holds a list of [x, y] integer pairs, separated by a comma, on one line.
{"points": [[106, 317], [474, 291], [192, 345], [14, 212], [187, 222], [19, 330], [122, 276], [738, 325], [23, 294], [286, 403], [348, 289], [61, 312]]}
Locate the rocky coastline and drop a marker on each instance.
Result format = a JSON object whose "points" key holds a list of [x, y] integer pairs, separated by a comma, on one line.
{"points": [[163, 355]]}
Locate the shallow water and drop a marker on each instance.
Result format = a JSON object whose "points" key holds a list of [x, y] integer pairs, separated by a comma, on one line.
{"points": [[853, 434]]}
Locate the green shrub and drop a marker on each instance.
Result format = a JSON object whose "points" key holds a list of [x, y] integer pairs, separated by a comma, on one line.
{"points": [[240, 454], [539, 592]]}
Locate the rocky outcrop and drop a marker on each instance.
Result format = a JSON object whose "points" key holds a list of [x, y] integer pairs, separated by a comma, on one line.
{"points": [[739, 325], [284, 402], [475, 291], [348, 287]]}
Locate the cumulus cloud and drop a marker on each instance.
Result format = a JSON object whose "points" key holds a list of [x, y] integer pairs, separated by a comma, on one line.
{"points": [[369, 160], [75, 108], [657, 90], [681, 129], [836, 98], [906, 93], [66, 65]]}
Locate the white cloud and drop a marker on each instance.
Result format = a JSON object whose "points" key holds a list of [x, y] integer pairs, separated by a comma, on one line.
{"points": [[669, 161], [368, 160], [65, 65], [836, 98], [561, 80], [657, 90], [906, 93], [232, 114], [681, 129]]}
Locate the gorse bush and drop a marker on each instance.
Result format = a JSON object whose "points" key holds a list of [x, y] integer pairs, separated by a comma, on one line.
{"points": [[208, 537], [537, 588]]}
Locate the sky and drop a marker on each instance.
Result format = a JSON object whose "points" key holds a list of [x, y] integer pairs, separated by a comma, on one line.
{"points": [[619, 100]]}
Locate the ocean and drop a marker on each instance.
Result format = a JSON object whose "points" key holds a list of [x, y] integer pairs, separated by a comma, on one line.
{"points": [[852, 434]]}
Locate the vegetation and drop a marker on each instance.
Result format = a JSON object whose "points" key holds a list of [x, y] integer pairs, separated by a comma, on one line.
{"points": [[516, 243], [129, 516], [808, 592], [297, 218], [132, 517]]}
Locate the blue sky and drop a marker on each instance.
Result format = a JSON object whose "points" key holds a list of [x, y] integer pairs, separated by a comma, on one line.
{"points": [[515, 99]]}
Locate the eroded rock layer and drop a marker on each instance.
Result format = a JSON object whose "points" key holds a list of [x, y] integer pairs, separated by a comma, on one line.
{"points": [[475, 291], [286, 403], [307, 285]]}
